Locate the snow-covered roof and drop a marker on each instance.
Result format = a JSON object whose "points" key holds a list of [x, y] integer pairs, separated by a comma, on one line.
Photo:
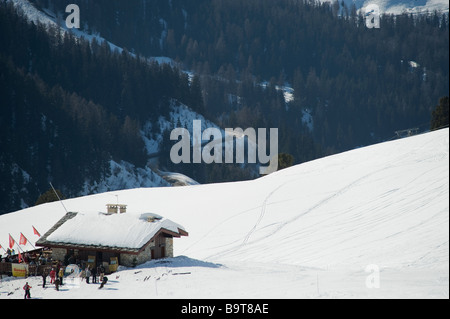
{"points": [[129, 232]]}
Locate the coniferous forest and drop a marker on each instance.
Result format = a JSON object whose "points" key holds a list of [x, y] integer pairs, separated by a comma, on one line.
{"points": [[68, 105]]}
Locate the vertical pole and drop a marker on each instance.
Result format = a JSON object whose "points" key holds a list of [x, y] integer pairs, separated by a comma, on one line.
{"points": [[58, 197]]}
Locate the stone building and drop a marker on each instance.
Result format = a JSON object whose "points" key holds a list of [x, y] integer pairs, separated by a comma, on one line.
{"points": [[113, 237]]}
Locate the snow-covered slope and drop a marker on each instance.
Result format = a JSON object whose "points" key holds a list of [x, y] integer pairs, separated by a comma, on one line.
{"points": [[308, 231], [401, 6], [49, 18], [410, 6]]}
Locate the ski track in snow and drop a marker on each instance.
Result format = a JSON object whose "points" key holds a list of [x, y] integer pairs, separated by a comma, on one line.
{"points": [[285, 223], [249, 234], [263, 212], [317, 205]]}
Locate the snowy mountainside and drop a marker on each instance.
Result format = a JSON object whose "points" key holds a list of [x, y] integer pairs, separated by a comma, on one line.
{"points": [[49, 18], [121, 174], [124, 175], [402, 6], [180, 116], [410, 6], [307, 231]]}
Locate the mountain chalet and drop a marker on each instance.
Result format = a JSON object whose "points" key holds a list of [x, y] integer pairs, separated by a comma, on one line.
{"points": [[115, 237]]}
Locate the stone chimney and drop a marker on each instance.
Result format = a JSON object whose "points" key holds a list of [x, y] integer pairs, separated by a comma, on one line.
{"points": [[116, 209]]}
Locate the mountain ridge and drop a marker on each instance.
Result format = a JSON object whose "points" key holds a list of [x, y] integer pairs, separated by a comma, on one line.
{"points": [[323, 98]]}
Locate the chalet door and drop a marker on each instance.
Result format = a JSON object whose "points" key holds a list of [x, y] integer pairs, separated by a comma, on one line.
{"points": [[159, 250], [99, 258]]}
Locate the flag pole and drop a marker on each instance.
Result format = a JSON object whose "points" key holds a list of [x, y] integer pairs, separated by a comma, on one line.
{"points": [[35, 231], [58, 197], [28, 241], [9, 244], [15, 242], [20, 256]]}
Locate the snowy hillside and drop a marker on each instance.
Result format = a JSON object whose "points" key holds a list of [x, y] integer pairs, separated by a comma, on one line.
{"points": [[410, 6], [317, 230], [401, 6]]}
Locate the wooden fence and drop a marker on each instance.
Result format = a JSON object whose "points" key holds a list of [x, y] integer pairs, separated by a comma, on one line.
{"points": [[33, 270]]}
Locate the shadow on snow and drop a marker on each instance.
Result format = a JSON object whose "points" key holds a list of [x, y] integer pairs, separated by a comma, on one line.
{"points": [[180, 261]]}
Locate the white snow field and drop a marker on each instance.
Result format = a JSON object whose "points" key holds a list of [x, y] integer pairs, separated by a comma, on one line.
{"points": [[369, 223]]}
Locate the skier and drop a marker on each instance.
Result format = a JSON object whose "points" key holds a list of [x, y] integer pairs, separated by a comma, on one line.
{"points": [[94, 275], [52, 275], [61, 275], [57, 284], [104, 281], [101, 270], [27, 288], [44, 278], [88, 274]]}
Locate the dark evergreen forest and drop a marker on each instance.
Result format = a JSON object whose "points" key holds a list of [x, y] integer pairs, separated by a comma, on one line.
{"points": [[359, 83], [69, 106]]}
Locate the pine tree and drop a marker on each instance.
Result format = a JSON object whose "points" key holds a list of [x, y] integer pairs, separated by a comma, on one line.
{"points": [[440, 114], [197, 96], [285, 160], [49, 197]]}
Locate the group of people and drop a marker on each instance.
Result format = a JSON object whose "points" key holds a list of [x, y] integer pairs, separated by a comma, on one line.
{"points": [[88, 272], [31, 259], [92, 272], [57, 273], [56, 276]]}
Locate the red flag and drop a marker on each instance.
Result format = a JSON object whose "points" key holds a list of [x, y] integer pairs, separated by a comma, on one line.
{"points": [[23, 240], [20, 258], [11, 242], [36, 232]]}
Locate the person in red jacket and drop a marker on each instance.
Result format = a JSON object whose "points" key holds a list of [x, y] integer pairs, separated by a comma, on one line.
{"points": [[27, 288], [52, 275]]}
